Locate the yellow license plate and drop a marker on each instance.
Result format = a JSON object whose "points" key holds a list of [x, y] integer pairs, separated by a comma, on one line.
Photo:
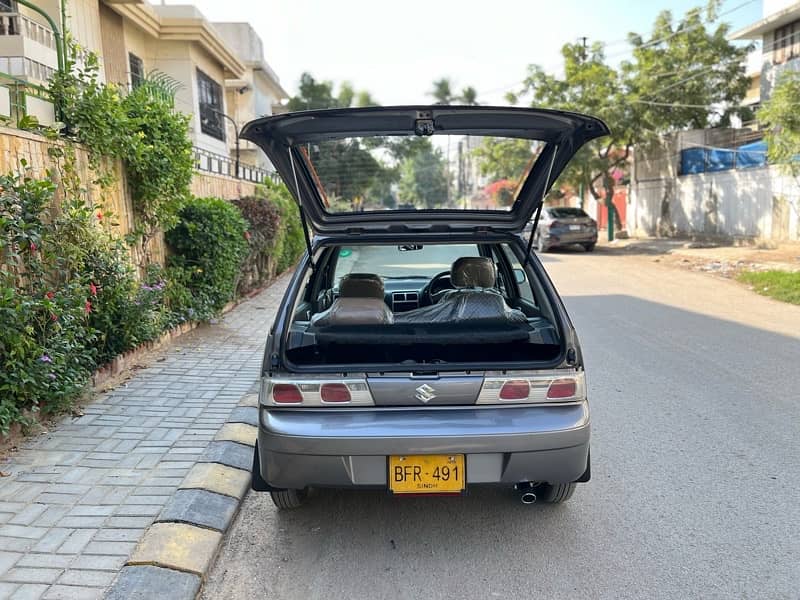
{"points": [[426, 473]]}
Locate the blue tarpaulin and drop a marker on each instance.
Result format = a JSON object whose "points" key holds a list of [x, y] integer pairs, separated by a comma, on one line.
{"points": [[752, 155], [702, 160], [693, 160]]}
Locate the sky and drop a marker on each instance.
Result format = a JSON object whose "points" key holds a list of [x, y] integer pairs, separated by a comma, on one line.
{"points": [[395, 50]]}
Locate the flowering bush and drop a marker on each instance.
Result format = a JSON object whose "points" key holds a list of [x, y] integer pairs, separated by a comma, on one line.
{"points": [[47, 344]]}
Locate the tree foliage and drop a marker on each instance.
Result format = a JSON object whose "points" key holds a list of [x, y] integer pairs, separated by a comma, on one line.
{"points": [[780, 116], [503, 158], [314, 95], [685, 73], [423, 178]]}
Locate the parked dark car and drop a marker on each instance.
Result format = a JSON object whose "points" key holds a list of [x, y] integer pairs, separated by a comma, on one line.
{"points": [[561, 226], [419, 350]]}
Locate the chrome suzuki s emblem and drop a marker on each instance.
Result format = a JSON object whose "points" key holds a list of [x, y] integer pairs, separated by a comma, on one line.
{"points": [[425, 393]]}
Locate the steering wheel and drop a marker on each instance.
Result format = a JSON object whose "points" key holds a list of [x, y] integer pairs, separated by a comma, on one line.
{"points": [[436, 288]]}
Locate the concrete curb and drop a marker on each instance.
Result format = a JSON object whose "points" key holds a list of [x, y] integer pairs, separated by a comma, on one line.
{"points": [[176, 552]]}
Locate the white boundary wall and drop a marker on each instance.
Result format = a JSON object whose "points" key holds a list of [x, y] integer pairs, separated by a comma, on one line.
{"points": [[760, 202]]}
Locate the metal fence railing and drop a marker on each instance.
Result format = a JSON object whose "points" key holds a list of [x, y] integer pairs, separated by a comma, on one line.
{"points": [[211, 162], [14, 100]]}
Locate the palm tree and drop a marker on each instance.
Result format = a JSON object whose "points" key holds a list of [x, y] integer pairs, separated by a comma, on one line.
{"points": [[442, 91], [469, 96]]}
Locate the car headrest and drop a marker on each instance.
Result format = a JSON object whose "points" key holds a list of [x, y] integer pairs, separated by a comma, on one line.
{"points": [[473, 272], [361, 285], [354, 311]]}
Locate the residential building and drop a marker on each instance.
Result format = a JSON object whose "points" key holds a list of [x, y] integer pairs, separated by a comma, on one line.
{"points": [[779, 33], [178, 41], [220, 72], [258, 93]]}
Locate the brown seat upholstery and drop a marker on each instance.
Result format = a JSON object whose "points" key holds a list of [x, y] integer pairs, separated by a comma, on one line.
{"points": [[360, 302]]}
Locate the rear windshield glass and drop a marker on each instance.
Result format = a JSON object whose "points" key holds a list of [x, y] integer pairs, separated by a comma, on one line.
{"points": [[413, 173], [565, 213]]}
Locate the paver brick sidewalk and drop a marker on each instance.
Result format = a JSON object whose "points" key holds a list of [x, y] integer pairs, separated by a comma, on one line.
{"points": [[80, 497]]}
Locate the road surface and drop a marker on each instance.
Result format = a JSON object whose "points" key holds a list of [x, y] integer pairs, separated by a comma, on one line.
{"points": [[695, 399]]}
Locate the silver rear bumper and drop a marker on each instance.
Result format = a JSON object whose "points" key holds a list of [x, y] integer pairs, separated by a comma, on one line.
{"points": [[349, 447]]}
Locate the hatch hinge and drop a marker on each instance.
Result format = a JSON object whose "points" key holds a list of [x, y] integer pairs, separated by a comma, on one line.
{"points": [[303, 219]]}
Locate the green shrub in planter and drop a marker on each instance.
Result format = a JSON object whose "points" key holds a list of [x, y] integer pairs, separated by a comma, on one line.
{"points": [[208, 246]]}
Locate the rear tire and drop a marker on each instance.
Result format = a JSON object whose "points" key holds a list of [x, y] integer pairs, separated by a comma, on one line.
{"points": [[588, 247], [555, 493], [288, 499]]}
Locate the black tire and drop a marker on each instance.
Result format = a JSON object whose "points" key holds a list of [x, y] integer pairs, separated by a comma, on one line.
{"points": [[288, 499], [555, 493], [588, 247]]}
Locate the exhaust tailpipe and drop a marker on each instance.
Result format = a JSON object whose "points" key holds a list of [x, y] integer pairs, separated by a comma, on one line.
{"points": [[527, 495]]}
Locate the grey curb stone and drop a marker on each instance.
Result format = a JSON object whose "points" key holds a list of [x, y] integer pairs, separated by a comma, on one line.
{"points": [[230, 454], [146, 583], [200, 507], [244, 414]]}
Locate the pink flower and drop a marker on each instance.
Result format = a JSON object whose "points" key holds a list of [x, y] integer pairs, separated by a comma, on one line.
{"points": [[87, 307], [50, 295], [53, 317], [99, 215], [33, 247], [93, 289]]}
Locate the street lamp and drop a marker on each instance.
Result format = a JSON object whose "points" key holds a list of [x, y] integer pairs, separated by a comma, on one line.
{"points": [[236, 132]]}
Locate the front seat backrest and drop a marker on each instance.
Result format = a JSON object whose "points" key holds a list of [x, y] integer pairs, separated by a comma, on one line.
{"points": [[473, 272], [360, 302]]}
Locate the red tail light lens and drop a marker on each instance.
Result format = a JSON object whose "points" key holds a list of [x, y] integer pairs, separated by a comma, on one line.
{"points": [[562, 388], [516, 389], [334, 392], [554, 224], [286, 393]]}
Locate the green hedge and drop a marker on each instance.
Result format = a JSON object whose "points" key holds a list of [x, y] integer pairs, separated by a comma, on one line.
{"points": [[208, 246], [70, 300]]}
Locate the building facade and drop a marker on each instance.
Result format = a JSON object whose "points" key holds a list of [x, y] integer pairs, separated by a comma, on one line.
{"points": [[779, 33], [220, 74]]}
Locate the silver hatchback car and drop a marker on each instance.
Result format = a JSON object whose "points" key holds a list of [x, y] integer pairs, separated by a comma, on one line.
{"points": [[420, 347]]}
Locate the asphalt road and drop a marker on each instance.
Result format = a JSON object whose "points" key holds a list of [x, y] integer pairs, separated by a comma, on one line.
{"points": [[695, 398]]}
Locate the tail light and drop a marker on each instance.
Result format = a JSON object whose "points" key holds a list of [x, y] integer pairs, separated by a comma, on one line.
{"points": [[309, 393], [555, 224], [516, 389], [552, 387], [286, 393], [562, 388], [334, 392]]}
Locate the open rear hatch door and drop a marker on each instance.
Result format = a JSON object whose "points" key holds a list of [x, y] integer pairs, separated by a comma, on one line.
{"points": [[421, 169]]}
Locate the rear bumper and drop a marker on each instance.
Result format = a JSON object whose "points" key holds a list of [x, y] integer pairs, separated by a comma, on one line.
{"points": [[565, 237], [349, 448]]}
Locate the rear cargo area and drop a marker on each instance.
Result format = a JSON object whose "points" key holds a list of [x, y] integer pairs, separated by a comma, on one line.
{"points": [[423, 343]]}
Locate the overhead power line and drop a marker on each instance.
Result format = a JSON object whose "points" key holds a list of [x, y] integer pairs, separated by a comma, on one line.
{"points": [[628, 51]]}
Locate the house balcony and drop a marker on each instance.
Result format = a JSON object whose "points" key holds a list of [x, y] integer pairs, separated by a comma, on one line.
{"points": [[27, 48]]}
